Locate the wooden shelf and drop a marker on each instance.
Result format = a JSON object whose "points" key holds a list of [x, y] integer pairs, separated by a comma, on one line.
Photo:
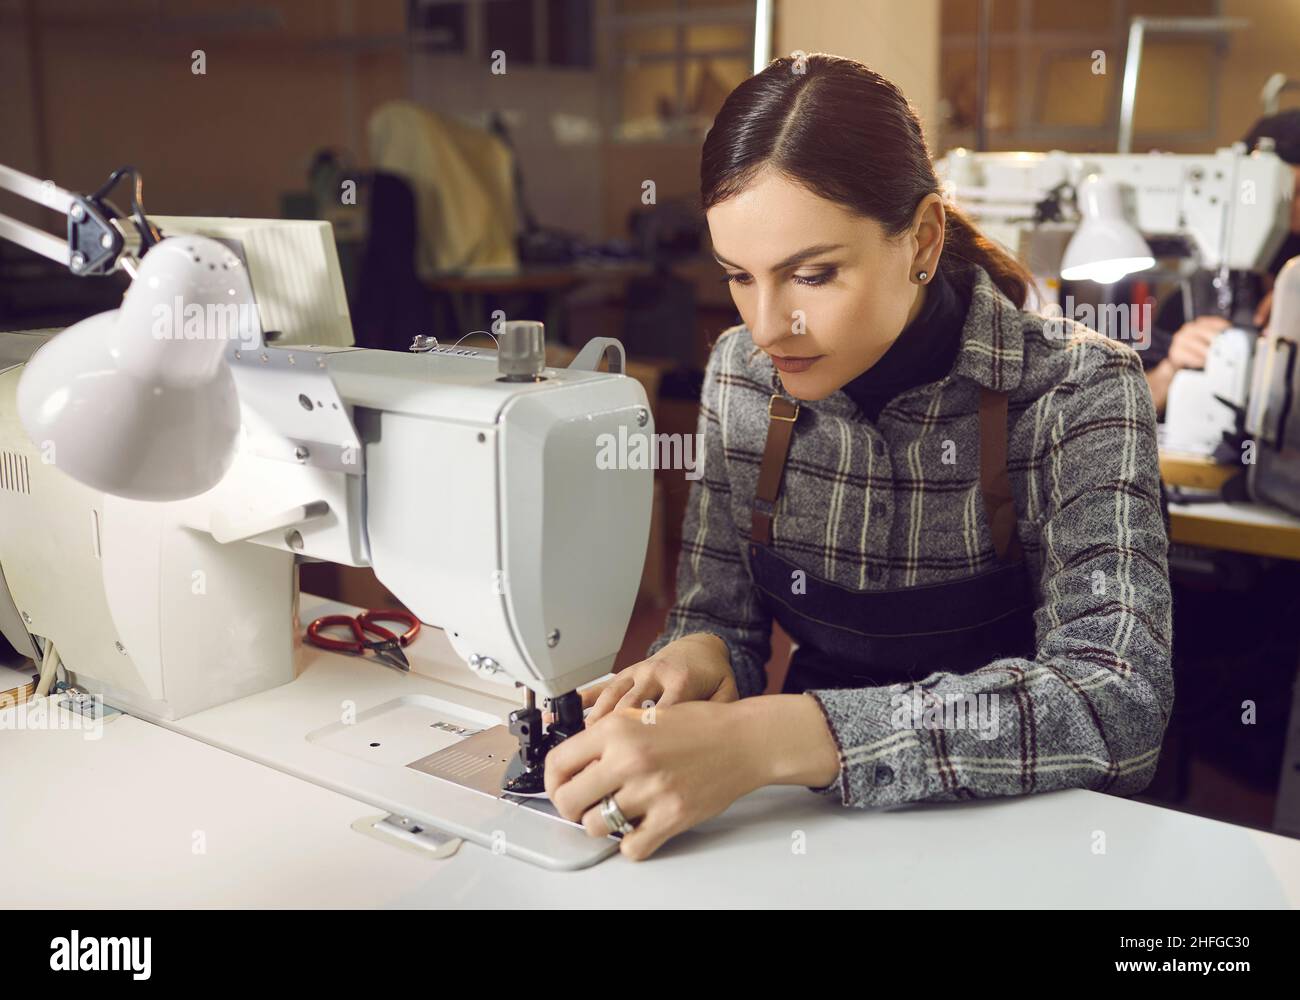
{"points": [[1194, 471]]}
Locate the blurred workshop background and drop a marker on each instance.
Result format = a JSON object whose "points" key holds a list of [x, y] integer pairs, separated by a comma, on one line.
{"points": [[540, 157]]}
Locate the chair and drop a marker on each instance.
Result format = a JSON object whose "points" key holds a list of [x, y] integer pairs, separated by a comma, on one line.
{"points": [[393, 304]]}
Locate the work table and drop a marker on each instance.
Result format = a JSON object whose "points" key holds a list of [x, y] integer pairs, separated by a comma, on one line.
{"points": [[146, 817]]}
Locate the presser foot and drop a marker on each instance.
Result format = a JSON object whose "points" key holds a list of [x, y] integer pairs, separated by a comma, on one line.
{"points": [[525, 780], [526, 774]]}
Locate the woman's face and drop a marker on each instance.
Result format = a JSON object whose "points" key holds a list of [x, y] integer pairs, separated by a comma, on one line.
{"points": [[816, 284]]}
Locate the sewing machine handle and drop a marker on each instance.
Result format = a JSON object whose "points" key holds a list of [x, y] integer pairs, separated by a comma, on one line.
{"points": [[588, 359]]}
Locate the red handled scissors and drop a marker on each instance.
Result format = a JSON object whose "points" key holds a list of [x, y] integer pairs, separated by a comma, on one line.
{"points": [[387, 645]]}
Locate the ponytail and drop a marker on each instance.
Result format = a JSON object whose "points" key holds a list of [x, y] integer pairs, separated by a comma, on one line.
{"points": [[964, 245]]}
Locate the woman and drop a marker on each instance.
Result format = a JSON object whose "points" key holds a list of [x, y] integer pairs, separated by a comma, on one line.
{"points": [[950, 506]]}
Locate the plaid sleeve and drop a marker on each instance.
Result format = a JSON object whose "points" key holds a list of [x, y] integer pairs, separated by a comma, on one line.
{"points": [[714, 590], [1090, 710]]}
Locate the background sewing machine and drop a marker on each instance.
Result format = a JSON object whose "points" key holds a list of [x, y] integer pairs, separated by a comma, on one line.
{"points": [[1090, 216], [467, 478]]}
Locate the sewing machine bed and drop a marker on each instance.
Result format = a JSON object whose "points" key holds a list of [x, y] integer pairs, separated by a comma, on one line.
{"points": [[416, 744]]}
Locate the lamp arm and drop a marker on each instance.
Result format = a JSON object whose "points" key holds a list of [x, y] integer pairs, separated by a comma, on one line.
{"points": [[99, 240]]}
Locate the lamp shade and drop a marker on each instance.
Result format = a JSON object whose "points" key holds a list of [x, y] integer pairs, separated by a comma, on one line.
{"points": [[1106, 246], [138, 402]]}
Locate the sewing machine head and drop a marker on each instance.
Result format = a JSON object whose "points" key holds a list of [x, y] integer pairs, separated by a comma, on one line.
{"points": [[487, 506]]}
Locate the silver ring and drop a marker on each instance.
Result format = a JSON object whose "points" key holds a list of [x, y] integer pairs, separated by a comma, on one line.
{"points": [[613, 816]]}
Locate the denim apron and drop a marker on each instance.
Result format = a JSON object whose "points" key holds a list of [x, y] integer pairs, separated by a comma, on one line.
{"points": [[867, 638]]}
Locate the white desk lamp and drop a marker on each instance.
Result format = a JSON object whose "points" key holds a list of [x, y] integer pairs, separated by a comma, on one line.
{"points": [[138, 401], [1106, 246]]}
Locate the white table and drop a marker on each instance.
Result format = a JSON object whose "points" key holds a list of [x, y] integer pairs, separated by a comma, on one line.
{"points": [[114, 822]]}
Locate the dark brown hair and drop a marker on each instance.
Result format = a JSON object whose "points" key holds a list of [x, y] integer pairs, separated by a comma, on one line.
{"points": [[848, 135]]}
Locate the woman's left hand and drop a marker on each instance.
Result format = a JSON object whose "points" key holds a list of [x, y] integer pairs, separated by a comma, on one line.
{"points": [[667, 770]]}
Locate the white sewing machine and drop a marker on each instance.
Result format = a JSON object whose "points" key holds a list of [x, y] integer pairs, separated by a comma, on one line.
{"points": [[1061, 211], [474, 492]]}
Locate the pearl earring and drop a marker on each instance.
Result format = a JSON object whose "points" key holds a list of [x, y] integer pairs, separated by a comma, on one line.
{"points": [[921, 275]]}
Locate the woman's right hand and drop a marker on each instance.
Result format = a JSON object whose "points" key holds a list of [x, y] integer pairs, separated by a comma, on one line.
{"points": [[695, 667]]}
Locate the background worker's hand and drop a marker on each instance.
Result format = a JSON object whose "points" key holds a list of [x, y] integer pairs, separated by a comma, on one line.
{"points": [[1191, 344], [1264, 310], [693, 668]]}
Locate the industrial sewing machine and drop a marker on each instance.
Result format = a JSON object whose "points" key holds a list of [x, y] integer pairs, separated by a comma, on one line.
{"points": [[467, 478], [1090, 216]]}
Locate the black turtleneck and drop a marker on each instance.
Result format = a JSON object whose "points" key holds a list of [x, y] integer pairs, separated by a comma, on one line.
{"points": [[923, 352]]}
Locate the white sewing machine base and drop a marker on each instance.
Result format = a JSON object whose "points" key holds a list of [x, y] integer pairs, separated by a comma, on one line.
{"points": [[355, 726]]}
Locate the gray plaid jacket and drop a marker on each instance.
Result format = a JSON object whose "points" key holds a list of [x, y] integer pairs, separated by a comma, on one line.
{"points": [[897, 504]]}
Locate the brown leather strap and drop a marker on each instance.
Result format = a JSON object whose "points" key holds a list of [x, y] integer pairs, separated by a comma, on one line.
{"points": [[999, 505], [781, 415]]}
